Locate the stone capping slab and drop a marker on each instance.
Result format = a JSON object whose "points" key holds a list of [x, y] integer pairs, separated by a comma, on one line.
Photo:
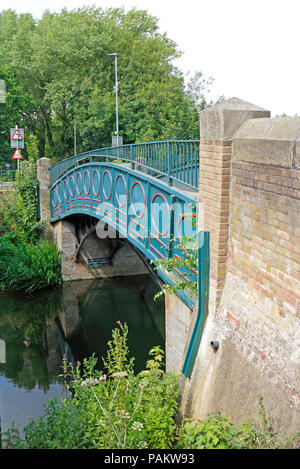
{"points": [[274, 141], [224, 119]]}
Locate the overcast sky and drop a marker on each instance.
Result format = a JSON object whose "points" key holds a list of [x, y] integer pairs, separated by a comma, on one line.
{"points": [[250, 47]]}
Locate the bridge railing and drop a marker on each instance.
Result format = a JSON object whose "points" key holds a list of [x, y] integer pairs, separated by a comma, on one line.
{"points": [[7, 177], [177, 160]]}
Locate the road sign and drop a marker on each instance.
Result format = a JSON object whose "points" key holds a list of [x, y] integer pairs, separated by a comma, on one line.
{"points": [[17, 155], [17, 138], [17, 135]]}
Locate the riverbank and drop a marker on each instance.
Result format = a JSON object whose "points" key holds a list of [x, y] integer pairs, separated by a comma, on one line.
{"points": [[74, 320]]}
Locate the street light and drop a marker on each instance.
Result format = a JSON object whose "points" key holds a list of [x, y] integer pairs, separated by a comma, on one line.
{"points": [[118, 139]]}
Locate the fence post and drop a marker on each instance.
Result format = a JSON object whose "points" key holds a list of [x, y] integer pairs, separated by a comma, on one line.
{"points": [[43, 176], [169, 164], [132, 156]]}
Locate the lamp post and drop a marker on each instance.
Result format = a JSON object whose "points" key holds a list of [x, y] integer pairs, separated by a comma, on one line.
{"points": [[118, 139]]}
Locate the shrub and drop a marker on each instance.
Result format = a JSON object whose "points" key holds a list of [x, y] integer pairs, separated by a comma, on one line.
{"points": [[215, 432], [19, 209], [28, 267], [218, 432]]}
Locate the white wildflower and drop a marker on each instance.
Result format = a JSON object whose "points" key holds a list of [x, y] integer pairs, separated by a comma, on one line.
{"points": [[120, 374], [138, 426], [93, 381], [142, 445]]}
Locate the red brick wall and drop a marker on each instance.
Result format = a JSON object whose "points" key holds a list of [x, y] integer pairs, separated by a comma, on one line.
{"points": [[265, 230]]}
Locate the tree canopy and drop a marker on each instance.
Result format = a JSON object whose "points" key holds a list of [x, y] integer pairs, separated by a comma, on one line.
{"points": [[59, 77]]}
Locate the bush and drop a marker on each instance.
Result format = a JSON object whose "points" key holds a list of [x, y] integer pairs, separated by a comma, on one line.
{"points": [[218, 432], [19, 209], [28, 267]]}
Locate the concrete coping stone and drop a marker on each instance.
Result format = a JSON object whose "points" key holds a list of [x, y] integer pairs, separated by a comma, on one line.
{"points": [[224, 119], [274, 141]]}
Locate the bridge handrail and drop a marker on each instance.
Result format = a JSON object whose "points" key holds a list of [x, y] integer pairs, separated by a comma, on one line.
{"points": [[176, 159]]}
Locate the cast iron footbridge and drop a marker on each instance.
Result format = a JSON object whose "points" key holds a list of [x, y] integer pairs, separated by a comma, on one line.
{"points": [[148, 193]]}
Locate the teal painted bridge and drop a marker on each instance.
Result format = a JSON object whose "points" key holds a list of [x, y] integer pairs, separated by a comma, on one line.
{"points": [[148, 193]]}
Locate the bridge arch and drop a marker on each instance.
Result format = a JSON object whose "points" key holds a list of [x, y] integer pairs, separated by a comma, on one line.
{"points": [[147, 212]]}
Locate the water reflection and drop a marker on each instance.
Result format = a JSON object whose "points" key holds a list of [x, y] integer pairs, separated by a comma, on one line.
{"points": [[75, 321], [92, 309]]}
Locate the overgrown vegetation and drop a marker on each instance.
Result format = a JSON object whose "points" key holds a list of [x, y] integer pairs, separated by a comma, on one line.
{"points": [[25, 262], [185, 261], [116, 409]]}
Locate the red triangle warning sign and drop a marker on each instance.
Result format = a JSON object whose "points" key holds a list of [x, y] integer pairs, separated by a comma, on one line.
{"points": [[17, 155], [17, 135]]}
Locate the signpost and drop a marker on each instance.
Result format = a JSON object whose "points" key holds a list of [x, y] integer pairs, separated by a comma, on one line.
{"points": [[17, 138], [17, 141], [17, 155]]}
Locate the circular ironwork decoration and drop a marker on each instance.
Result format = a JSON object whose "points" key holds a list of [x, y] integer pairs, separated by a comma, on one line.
{"points": [[96, 182], [187, 227], [160, 214], [54, 198], [120, 190], [59, 193], [66, 189], [137, 197], [72, 186], [86, 185], [77, 185], [107, 184]]}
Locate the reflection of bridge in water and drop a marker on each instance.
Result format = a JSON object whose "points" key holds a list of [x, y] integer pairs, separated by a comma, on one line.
{"points": [[92, 308]]}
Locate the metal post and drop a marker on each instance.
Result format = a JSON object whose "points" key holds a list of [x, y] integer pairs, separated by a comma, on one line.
{"points": [[117, 91], [132, 156], [75, 149], [115, 55], [169, 164]]}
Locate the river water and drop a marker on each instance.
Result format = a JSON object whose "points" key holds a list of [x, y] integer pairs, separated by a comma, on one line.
{"points": [[75, 320]]}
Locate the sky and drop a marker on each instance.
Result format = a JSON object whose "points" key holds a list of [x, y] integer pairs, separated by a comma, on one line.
{"points": [[250, 47]]}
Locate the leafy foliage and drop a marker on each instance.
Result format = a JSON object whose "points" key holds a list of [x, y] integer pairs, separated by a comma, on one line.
{"points": [[26, 263], [19, 208], [28, 267], [218, 432], [60, 76], [213, 433], [187, 260]]}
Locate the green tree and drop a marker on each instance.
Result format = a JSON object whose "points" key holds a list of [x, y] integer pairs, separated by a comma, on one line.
{"points": [[58, 72]]}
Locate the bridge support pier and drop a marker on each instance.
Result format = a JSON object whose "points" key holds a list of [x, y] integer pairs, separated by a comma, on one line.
{"points": [[177, 321], [86, 256], [43, 175]]}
